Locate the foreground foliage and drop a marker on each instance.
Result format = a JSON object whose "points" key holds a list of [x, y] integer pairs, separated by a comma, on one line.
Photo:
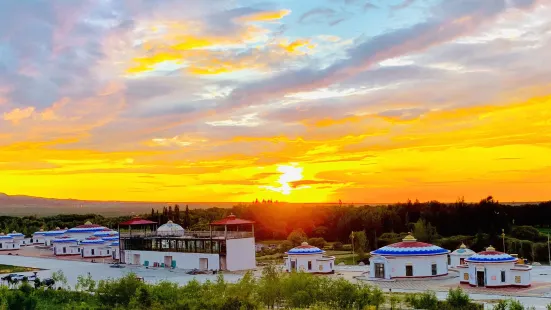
{"points": [[273, 290]]}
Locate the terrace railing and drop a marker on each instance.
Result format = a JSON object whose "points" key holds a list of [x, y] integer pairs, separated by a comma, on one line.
{"points": [[192, 234]]}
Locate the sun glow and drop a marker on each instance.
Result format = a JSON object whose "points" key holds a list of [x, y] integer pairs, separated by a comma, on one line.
{"points": [[289, 174]]}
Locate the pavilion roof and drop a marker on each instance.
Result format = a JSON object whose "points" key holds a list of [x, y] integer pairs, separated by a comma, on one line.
{"points": [[137, 221], [231, 220]]}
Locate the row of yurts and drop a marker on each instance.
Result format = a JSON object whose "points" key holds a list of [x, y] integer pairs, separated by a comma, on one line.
{"points": [[413, 259], [88, 240]]}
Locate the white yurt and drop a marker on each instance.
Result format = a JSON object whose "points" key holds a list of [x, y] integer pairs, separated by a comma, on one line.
{"points": [[7, 243], [53, 234], [18, 237], [408, 259], [492, 268], [65, 246], [94, 247], [458, 256], [310, 259], [170, 229], [82, 232]]}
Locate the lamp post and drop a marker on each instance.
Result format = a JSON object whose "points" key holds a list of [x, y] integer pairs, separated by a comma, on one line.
{"points": [[503, 237], [353, 255]]}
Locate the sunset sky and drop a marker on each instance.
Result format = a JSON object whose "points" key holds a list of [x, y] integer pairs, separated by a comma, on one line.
{"points": [[297, 101]]}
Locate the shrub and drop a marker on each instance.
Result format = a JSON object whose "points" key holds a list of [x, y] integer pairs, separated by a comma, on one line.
{"points": [[337, 246]]}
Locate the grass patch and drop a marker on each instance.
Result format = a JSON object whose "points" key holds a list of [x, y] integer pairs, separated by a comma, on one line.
{"points": [[348, 260], [544, 230], [14, 269]]}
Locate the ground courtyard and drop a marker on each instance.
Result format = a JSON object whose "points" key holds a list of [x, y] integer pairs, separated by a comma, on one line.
{"points": [[538, 295]]}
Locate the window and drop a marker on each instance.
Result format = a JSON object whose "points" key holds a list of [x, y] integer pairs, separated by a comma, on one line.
{"points": [[461, 261], [78, 250], [502, 275], [409, 271], [309, 265], [107, 251], [93, 252], [0, 245], [64, 250], [449, 260], [434, 269]]}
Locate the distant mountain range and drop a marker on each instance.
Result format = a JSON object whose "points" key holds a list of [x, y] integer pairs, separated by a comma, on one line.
{"points": [[29, 205]]}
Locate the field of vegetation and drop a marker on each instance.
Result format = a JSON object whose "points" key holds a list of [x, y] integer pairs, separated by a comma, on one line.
{"points": [[13, 269], [273, 290]]}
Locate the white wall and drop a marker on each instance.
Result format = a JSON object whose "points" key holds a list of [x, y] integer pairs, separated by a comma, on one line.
{"points": [[99, 251], [464, 276], [70, 249], [493, 274], [9, 245], [318, 263], [38, 239], [183, 260], [240, 254], [422, 265]]}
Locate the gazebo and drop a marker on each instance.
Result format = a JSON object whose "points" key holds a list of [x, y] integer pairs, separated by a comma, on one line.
{"points": [[239, 242]]}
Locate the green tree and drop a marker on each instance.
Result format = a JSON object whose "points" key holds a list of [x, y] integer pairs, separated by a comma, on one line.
{"points": [[424, 231], [457, 298], [360, 243], [317, 242], [85, 283], [297, 236], [60, 279]]}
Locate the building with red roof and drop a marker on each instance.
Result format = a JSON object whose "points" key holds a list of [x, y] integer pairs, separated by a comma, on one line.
{"points": [[492, 268], [408, 259], [227, 245]]}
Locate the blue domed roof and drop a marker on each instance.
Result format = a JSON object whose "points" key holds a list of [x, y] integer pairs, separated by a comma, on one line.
{"points": [[491, 256], [4, 237], [305, 248], [410, 247], [65, 240]]}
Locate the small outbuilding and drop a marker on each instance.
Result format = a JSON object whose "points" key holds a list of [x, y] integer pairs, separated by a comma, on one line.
{"points": [[170, 229], [94, 247], [38, 237], [7, 243], [310, 259], [408, 259], [492, 268], [458, 256], [64, 246]]}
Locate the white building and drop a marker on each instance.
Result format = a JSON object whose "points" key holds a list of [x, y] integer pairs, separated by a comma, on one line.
{"points": [[458, 256], [82, 232], [7, 243], [94, 247], [232, 248], [491, 268], [310, 259], [64, 246], [170, 229], [53, 234], [18, 237], [408, 259], [38, 237]]}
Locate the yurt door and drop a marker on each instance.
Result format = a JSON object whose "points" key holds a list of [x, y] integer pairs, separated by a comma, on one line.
{"points": [[137, 259], [379, 270], [480, 278]]}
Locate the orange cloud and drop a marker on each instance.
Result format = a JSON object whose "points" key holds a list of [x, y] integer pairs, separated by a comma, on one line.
{"points": [[265, 16], [17, 115]]}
